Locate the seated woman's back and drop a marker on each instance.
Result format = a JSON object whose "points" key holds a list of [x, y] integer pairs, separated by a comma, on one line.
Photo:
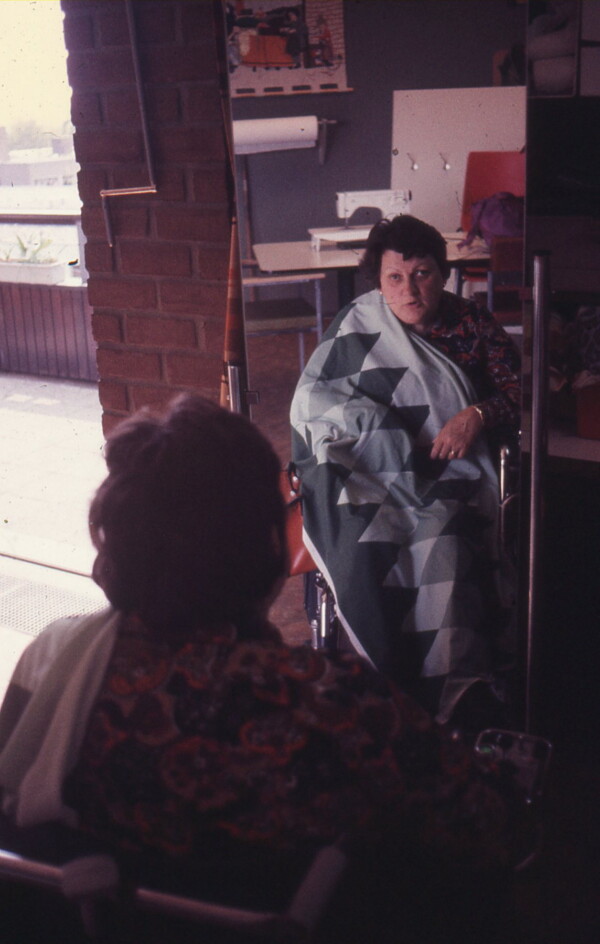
{"points": [[213, 735]]}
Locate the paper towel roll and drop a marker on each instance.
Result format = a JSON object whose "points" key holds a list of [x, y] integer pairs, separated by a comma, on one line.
{"points": [[274, 134]]}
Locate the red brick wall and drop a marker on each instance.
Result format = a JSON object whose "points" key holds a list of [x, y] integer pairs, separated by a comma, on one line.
{"points": [[158, 295]]}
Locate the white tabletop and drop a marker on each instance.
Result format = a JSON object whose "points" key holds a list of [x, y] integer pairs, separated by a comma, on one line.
{"points": [[339, 234], [563, 443], [301, 257], [477, 250]]}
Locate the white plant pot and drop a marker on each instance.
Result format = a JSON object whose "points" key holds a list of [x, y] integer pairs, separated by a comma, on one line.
{"points": [[36, 273]]}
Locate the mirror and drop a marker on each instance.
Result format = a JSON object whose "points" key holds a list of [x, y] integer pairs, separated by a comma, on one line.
{"points": [[404, 45], [389, 46]]}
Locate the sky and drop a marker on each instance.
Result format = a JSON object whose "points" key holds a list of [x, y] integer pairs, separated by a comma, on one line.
{"points": [[33, 72]]}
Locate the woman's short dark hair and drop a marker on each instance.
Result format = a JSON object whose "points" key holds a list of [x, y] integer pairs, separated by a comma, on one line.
{"points": [[189, 523], [407, 235]]}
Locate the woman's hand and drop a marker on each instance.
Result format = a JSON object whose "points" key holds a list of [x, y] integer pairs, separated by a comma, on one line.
{"points": [[458, 435]]}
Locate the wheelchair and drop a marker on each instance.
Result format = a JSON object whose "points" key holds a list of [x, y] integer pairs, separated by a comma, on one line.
{"points": [[319, 601], [527, 754]]}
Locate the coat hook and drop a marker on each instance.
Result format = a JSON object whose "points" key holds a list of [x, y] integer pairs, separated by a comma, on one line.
{"points": [[445, 163], [413, 163]]}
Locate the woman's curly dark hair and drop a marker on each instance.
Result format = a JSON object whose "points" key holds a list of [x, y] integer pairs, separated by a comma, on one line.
{"points": [[407, 235], [189, 523]]}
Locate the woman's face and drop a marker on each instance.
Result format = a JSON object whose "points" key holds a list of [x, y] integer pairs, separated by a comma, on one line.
{"points": [[411, 287]]}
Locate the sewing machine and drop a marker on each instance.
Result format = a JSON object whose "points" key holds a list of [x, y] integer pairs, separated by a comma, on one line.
{"points": [[388, 203]]}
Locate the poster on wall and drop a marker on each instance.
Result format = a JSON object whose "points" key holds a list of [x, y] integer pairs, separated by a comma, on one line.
{"points": [[276, 48]]}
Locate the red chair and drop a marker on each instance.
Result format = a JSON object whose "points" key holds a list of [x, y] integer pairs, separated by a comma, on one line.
{"points": [[490, 172], [322, 617], [487, 173]]}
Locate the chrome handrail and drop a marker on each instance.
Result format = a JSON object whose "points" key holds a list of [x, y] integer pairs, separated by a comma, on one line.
{"points": [[539, 437]]}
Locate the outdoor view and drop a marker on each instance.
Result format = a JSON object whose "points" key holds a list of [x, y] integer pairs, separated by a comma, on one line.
{"points": [[37, 163], [49, 410]]}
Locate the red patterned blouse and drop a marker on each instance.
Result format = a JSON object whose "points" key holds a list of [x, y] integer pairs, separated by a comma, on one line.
{"points": [[266, 743], [471, 337]]}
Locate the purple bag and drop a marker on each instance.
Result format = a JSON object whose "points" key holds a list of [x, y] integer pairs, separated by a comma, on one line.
{"points": [[499, 215]]}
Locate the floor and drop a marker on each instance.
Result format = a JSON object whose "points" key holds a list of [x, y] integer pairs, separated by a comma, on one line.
{"points": [[51, 463], [274, 370], [53, 457]]}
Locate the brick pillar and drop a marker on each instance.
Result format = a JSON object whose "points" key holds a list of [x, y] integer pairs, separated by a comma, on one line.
{"points": [[158, 295]]}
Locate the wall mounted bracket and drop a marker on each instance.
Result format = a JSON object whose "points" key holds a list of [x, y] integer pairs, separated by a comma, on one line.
{"points": [[151, 186]]}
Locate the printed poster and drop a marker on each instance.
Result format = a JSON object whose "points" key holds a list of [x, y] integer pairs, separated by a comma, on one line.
{"points": [[276, 48]]}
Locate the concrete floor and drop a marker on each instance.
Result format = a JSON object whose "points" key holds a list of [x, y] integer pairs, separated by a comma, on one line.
{"points": [[51, 462]]}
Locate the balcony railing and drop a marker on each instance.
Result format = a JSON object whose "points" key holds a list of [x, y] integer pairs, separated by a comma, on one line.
{"points": [[45, 330]]}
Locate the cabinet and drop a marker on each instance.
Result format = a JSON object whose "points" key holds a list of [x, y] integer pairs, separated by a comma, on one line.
{"points": [[563, 542], [563, 46], [563, 219], [589, 48]]}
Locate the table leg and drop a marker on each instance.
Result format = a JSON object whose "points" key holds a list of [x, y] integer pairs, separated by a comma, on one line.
{"points": [[346, 289], [458, 280]]}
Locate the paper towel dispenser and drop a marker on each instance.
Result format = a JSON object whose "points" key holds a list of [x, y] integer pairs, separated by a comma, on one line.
{"points": [[256, 135]]}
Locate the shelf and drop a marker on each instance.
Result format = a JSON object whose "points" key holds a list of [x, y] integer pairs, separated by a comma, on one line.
{"points": [[563, 443]]}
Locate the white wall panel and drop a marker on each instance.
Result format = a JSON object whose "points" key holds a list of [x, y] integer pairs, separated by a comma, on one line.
{"points": [[440, 126]]}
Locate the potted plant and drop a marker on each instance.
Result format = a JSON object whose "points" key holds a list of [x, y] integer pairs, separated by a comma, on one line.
{"points": [[27, 260]]}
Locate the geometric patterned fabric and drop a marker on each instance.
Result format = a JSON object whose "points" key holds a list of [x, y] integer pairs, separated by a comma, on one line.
{"points": [[407, 543]]}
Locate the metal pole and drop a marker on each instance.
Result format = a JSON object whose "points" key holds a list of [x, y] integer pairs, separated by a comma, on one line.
{"points": [[236, 397], [539, 430]]}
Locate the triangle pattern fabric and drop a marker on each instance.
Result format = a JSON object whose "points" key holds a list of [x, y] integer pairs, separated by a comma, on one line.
{"points": [[396, 534]]}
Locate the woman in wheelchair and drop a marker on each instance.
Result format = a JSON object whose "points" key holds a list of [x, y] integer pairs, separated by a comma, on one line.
{"points": [[394, 420], [176, 723]]}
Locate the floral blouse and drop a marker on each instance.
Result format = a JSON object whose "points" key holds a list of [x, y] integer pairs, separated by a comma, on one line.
{"points": [[271, 744], [472, 338]]}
